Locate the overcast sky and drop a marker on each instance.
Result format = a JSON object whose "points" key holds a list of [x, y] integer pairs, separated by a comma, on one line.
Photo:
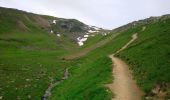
{"points": [[102, 13]]}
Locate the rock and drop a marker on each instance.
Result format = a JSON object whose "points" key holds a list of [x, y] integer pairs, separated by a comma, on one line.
{"points": [[1, 97], [156, 89], [58, 35], [148, 98], [27, 79], [18, 98], [29, 96], [26, 86]]}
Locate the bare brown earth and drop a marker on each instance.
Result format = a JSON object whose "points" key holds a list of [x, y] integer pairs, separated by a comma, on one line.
{"points": [[42, 22], [134, 37], [22, 26], [124, 87]]}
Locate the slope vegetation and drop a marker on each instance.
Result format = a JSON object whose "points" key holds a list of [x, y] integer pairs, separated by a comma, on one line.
{"points": [[32, 58], [149, 58], [31, 51], [151, 75]]}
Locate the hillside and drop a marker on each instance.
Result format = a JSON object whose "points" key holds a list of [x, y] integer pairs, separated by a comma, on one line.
{"points": [[31, 55], [20, 21], [147, 57], [40, 51]]}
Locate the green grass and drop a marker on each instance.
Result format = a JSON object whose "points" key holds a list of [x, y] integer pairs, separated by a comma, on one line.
{"points": [[30, 58], [33, 57], [149, 56], [90, 74], [86, 81], [146, 56], [92, 40]]}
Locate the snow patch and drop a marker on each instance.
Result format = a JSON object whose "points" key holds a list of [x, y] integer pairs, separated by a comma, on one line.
{"points": [[78, 38], [91, 31], [51, 31], [96, 28], [54, 21], [86, 36], [81, 41], [104, 34]]}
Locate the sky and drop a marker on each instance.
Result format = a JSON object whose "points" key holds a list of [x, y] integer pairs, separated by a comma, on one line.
{"points": [[108, 14]]}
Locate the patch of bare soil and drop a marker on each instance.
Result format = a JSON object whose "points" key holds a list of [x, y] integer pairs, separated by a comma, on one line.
{"points": [[22, 26], [134, 37], [43, 23], [124, 87]]}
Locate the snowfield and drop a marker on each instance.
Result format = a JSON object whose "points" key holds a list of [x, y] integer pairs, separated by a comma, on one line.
{"points": [[81, 40], [91, 31], [86, 36], [54, 21], [80, 43]]}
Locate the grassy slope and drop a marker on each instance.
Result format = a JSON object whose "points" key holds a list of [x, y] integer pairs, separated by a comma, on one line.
{"points": [[149, 56], [28, 60], [90, 73], [86, 80], [92, 40], [29, 56]]}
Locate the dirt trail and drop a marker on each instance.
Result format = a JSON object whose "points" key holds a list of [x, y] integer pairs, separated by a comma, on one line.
{"points": [[124, 87], [134, 37]]}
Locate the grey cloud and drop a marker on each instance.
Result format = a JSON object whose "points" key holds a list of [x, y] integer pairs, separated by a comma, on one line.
{"points": [[103, 13]]}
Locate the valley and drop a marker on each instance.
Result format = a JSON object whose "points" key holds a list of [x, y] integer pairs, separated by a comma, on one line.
{"points": [[48, 58]]}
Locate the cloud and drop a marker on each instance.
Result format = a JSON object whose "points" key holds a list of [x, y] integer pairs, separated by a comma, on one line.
{"points": [[103, 13]]}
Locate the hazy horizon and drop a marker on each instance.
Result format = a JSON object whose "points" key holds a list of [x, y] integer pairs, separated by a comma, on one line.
{"points": [[107, 14]]}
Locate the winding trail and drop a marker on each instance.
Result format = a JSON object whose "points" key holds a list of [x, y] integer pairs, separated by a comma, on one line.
{"points": [[47, 93], [124, 87]]}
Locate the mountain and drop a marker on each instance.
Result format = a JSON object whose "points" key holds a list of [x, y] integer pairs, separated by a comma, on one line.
{"points": [[33, 48], [72, 26], [18, 20], [147, 57], [142, 22]]}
